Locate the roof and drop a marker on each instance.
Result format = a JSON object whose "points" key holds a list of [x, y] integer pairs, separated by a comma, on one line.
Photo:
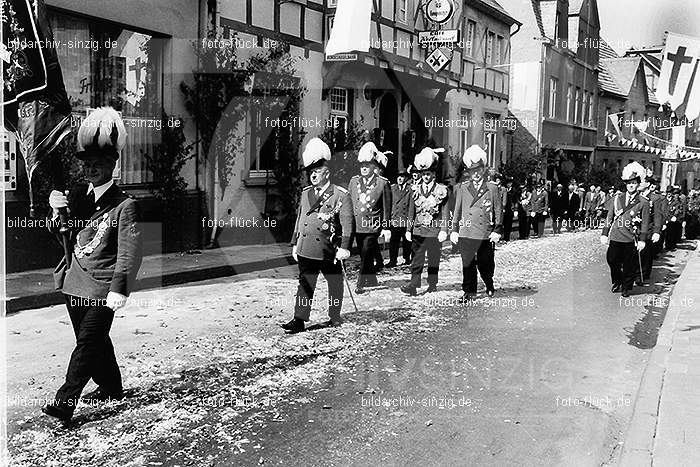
{"points": [[497, 6], [623, 71], [575, 7], [606, 51], [606, 82]]}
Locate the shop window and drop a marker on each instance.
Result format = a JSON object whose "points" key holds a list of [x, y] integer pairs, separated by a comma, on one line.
{"points": [[107, 64]]}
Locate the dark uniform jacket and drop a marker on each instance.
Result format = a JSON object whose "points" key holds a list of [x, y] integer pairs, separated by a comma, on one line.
{"points": [[477, 214], [323, 223], [625, 220], [572, 203], [371, 203], [428, 211], [540, 201], [656, 217], [106, 243], [400, 198]]}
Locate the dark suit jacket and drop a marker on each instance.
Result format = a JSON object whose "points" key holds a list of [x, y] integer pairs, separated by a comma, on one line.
{"points": [[559, 203], [619, 225], [539, 202], [572, 204], [399, 208], [107, 245]]}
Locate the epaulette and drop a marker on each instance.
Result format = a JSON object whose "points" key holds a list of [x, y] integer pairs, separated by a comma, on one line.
{"points": [[342, 190]]}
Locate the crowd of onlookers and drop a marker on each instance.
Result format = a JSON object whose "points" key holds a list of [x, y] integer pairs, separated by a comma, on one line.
{"points": [[575, 208]]}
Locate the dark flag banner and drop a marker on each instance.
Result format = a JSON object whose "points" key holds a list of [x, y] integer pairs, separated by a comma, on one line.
{"points": [[37, 110]]}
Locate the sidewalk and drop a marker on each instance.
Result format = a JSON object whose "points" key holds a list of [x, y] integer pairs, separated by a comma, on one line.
{"points": [[35, 289], [664, 430]]}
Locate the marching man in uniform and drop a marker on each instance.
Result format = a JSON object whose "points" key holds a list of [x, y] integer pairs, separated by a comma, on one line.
{"points": [[477, 223], [656, 220], [321, 237], [625, 230], [107, 254], [428, 215], [371, 203]]}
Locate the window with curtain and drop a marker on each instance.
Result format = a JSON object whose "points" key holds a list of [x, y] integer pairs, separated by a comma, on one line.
{"points": [[108, 64]]}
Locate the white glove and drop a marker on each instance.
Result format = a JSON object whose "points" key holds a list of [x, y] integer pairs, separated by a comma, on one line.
{"points": [[342, 254], [515, 214], [641, 245], [386, 234], [294, 253], [454, 237], [673, 219], [115, 300], [58, 200], [442, 236], [655, 238], [494, 237], [663, 228], [544, 213], [408, 236], [683, 224], [532, 214], [603, 240]]}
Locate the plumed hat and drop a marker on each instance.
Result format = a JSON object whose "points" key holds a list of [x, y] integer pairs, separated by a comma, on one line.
{"points": [[101, 134], [370, 153], [427, 159], [315, 154], [474, 157], [634, 171]]}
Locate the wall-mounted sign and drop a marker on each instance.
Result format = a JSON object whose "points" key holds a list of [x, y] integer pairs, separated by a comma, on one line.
{"points": [[439, 11], [441, 36], [344, 57], [437, 60]]}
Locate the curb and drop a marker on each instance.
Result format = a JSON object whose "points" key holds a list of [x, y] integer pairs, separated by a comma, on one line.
{"points": [[17, 304], [639, 440]]}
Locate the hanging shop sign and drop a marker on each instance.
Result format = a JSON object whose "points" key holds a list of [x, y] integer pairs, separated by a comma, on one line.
{"points": [[439, 36], [439, 11]]}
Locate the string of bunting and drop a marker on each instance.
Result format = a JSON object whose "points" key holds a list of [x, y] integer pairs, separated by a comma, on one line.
{"points": [[686, 153]]}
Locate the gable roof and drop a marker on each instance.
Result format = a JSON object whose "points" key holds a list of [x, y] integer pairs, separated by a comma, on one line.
{"points": [[623, 71], [607, 83], [606, 51], [575, 7]]}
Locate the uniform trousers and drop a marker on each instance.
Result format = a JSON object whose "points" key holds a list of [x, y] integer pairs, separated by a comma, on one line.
{"points": [[523, 224], [538, 223], [308, 277], [673, 234], [476, 254], [648, 254], [421, 246], [623, 262], [368, 244], [93, 356], [507, 224], [398, 237]]}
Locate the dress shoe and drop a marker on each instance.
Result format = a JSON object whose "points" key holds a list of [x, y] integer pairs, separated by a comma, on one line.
{"points": [[359, 290], [391, 264], [409, 290], [468, 296], [625, 293], [333, 323], [60, 410], [371, 282], [100, 395], [616, 288], [431, 288], [490, 292], [641, 283], [294, 326]]}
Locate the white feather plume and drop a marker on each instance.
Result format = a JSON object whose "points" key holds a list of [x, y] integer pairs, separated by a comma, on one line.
{"points": [[104, 120], [314, 151], [473, 156], [426, 158], [634, 169], [369, 152]]}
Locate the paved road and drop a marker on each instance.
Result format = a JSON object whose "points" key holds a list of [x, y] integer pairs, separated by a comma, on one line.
{"points": [[544, 374]]}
